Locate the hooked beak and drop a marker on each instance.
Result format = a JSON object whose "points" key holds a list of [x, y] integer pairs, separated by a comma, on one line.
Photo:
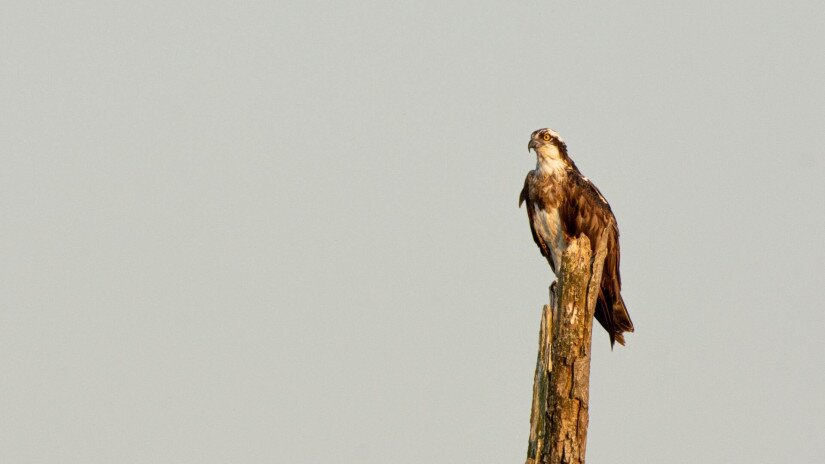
{"points": [[532, 145]]}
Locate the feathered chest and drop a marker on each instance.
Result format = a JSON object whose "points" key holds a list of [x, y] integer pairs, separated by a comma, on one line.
{"points": [[548, 226], [546, 196]]}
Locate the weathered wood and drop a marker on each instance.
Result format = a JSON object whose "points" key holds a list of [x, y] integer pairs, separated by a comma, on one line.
{"points": [[541, 380], [559, 415]]}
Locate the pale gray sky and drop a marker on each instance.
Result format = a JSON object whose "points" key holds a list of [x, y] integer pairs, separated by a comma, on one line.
{"points": [[287, 232]]}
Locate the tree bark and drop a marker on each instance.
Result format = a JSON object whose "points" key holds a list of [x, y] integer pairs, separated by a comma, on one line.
{"points": [[559, 415]]}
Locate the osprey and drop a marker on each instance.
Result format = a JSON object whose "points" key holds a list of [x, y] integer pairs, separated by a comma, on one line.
{"points": [[563, 204]]}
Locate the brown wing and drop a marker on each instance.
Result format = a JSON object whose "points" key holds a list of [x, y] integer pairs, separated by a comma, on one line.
{"points": [[524, 196], [586, 211]]}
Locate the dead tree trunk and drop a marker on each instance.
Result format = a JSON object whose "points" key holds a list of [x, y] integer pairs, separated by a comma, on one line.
{"points": [[559, 416]]}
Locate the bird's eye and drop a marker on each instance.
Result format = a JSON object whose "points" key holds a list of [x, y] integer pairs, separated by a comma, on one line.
{"points": [[546, 137]]}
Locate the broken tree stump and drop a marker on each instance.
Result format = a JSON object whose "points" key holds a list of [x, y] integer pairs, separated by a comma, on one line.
{"points": [[559, 414]]}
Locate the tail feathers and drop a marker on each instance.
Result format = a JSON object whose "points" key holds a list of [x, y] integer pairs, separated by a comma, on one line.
{"points": [[621, 316], [615, 320]]}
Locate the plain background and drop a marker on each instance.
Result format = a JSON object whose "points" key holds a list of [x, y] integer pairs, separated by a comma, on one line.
{"points": [[287, 232]]}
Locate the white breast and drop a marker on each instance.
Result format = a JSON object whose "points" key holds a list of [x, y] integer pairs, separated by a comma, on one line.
{"points": [[548, 226]]}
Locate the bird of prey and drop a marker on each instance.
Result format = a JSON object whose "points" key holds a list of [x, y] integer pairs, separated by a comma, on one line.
{"points": [[563, 204]]}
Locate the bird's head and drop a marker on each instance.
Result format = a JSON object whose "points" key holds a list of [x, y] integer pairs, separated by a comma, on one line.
{"points": [[546, 142], [551, 151]]}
